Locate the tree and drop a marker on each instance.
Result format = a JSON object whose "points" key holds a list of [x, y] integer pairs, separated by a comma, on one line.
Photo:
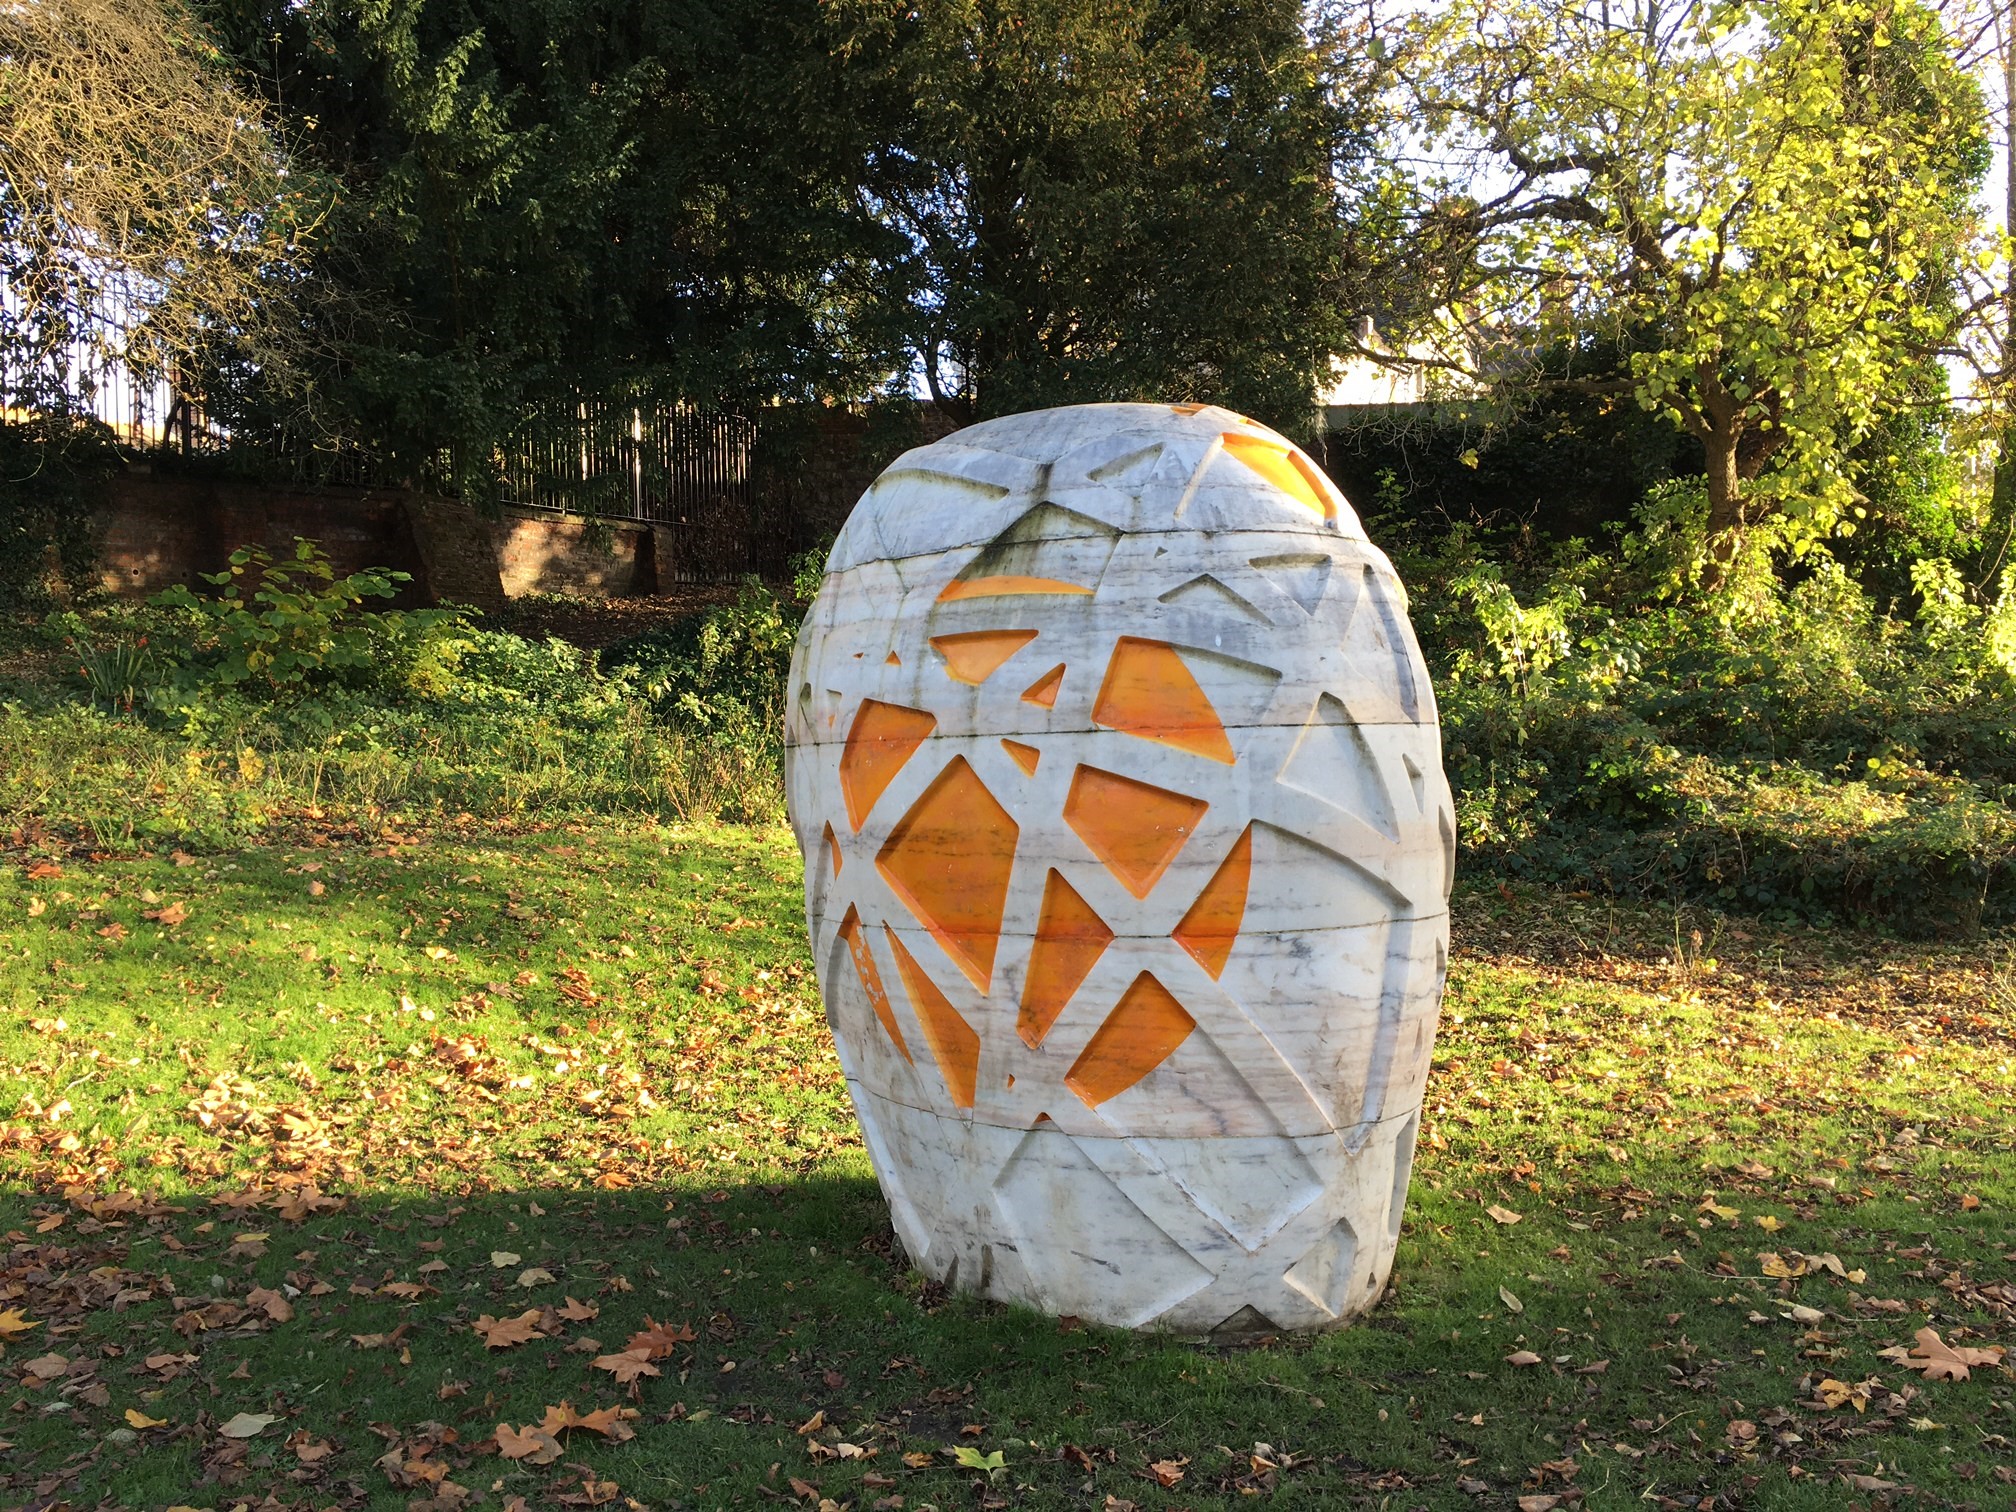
{"points": [[552, 203], [1766, 203], [1104, 199], [146, 212]]}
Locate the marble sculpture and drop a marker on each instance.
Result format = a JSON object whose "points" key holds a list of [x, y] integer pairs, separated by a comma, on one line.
{"points": [[1127, 854]]}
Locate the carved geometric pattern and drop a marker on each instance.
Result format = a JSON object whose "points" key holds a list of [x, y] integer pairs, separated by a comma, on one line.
{"points": [[951, 1038], [1043, 691], [871, 979], [882, 738], [1211, 927], [1135, 828], [1171, 929], [977, 655], [1141, 1032], [1286, 468], [949, 860], [1149, 693], [1070, 938]]}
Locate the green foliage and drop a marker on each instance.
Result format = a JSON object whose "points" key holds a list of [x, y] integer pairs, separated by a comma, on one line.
{"points": [[722, 670], [299, 626], [1777, 748], [1772, 199]]}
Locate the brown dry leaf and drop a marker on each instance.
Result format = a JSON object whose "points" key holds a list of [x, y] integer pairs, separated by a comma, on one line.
{"points": [[1942, 1361], [1522, 1357], [812, 1424], [1503, 1215], [173, 914], [45, 871], [1539, 1502], [1511, 1301], [659, 1339], [272, 1303], [530, 1443], [135, 1418], [46, 1367], [247, 1425], [579, 1312], [607, 1421], [310, 1451], [504, 1333], [538, 1275], [36, 908], [627, 1366], [408, 1291], [1165, 1473]]}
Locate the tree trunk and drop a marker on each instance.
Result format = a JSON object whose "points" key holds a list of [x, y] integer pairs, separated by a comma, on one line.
{"points": [[1725, 503], [2001, 532]]}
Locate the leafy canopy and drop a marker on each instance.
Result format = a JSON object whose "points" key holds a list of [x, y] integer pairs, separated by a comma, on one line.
{"points": [[1766, 202]]}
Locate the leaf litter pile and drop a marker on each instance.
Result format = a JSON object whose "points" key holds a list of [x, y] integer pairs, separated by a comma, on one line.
{"points": [[484, 1167]]}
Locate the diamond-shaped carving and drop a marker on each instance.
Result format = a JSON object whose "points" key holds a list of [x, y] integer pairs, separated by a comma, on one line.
{"points": [[1141, 1032], [1070, 938], [949, 860], [1149, 693], [1134, 827], [1323, 1275], [882, 738]]}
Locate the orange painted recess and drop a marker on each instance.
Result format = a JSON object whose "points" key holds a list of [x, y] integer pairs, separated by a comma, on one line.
{"points": [[871, 979], [893, 660], [1024, 756], [952, 1040], [1210, 928], [833, 848], [1134, 828], [1043, 691], [1150, 693], [1286, 468], [1005, 585], [949, 860], [882, 738], [978, 654], [1070, 938], [1141, 1032]]}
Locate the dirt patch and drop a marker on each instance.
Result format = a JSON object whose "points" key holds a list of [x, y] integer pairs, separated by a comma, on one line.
{"points": [[594, 623]]}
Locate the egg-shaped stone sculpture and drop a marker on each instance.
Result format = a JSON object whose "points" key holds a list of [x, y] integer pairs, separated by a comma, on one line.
{"points": [[1127, 856]]}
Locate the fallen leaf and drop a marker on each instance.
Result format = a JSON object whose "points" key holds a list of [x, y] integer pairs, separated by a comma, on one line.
{"points": [[627, 1366], [12, 1323], [1503, 1215], [137, 1419], [173, 914], [504, 1259], [1946, 1362], [1505, 1296], [658, 1340], [1522, 1357], [272, 1303], [247, 1425], [530, 1443], [538, 1275], [503, 1333], [579, 1312], [1165, 1473], [812, 1424], [1541, 1502]]}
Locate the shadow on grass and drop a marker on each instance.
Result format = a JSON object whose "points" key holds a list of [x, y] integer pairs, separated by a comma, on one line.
{"points": [[819, 1366]]}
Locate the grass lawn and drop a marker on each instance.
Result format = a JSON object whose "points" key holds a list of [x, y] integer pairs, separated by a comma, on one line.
{"points": [[324, 1160]]}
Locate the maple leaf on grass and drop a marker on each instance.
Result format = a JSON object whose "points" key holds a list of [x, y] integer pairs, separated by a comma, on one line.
{"points": [[531, 1443], [1939, 1360], [607, 1421], [504, 1333], [12, 1323], [627, 1366], [658, 1340]]}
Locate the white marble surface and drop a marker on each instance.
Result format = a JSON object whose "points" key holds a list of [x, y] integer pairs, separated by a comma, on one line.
{"points": [[1166, 1185]]}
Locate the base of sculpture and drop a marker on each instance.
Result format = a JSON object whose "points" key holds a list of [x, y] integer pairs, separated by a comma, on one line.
{"points": [[1216, 1237]]}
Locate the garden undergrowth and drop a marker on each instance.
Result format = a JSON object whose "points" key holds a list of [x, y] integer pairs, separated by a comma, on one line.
{"points": [[445, 1167]]}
